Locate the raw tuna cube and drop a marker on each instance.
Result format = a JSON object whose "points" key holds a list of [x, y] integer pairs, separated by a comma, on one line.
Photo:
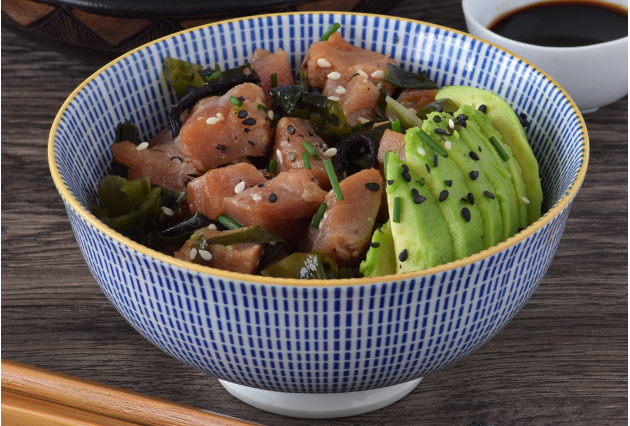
{"points": [[414, 99], [358, 98], [266, 63]]}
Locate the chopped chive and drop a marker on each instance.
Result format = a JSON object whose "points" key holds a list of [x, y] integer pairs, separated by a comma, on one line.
{"points": [[310, 149], [429, 141], [273, 165], [385, 160], [306, 159], [274, 80], [262, 108], [357, 128], [396, 126], [396, 215], [319, 215], [330, 31], [497, 145], [304, 80], [235, 101], [228, 222], [333, 179], [214, 76], [422, 181]]}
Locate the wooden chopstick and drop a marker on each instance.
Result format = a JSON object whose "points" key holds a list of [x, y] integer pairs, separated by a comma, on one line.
{"points": [[32, 395]]}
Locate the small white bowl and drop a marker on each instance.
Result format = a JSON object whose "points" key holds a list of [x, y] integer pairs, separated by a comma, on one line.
{"points": [[594, 75]]}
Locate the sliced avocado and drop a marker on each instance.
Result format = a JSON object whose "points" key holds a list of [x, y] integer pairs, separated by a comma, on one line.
{"points": [[506, 122], [381, 256], [475, 175], [446, 182], [421, 237], [482, 125]]}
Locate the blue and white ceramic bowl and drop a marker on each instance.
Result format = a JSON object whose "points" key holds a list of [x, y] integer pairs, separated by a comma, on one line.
{"points": [[315, 348]]}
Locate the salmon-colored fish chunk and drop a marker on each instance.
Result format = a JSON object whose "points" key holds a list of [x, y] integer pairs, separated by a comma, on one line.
{"points": [[358, 98], [266, 63], [414, 99]]}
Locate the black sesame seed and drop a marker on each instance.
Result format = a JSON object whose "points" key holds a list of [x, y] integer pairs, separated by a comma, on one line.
{"points": [[462, 117], [241, 98], [435, 161], [428, 168], [260, 185], [489, 194], [474, 155], [246, 130], [437, 118], [419, 199], [249, 121], [273, 198], [242, 114], [334, 120], [266, 150], [479, 148], [443, 195], [291, 129], [404, 168], [310, 134], [440, 131], [375, 245], [403, 255], [251, 143], [523, 115], [224, 149], [471, 198], [406, 176], [414, 192], [474, 175], [482, 108], [466, 214], [448, 183], [373, 186], [390, 182]]}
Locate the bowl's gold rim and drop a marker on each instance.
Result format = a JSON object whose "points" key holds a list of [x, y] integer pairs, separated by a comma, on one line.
{"points": [[88, 216]]}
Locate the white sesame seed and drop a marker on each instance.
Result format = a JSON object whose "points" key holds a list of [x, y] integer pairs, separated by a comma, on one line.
{"points": [[205, 254], [334, 75], [212, 120], [448, 145], [247, 71], [279, 155], [167, 211], [323, 63], [451, 124], [334, 98], [525, 200], [362, 120], [193, 253], [212, 226], [421, 151], [378, 74], [240, 187], [256, 197], [330, 152], [411, 110], [340, 90], [362, 73], [143, 145], [270, 114], [219, 115]]}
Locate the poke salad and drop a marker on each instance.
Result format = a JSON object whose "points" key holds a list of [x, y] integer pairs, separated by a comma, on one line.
{"points": [[352, 167]]}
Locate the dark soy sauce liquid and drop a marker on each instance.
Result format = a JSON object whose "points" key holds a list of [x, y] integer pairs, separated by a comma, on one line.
{"points": [[564, 23]]}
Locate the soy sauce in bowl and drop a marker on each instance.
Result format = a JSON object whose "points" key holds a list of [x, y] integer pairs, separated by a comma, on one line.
{"points": [[563, 23]]}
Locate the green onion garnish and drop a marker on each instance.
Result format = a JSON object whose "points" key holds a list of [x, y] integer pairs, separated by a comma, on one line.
{"points": [[396, 215], [497, 145], [385, 160], [330, 31], [310, 149], [422, 181], [274, 80], [396, 126], [333, 179], [262, 108], [429, 141], [406, 117], [319, 215], [306, 159], [213, 76], [236, 101], [304, 80], [273, 165], [228, 222]]}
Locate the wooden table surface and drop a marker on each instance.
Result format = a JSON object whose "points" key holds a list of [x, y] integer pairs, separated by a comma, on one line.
{"points": [[561, 361]]}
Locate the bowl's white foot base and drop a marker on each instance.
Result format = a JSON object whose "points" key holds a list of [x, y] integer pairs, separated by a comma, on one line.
{"points": [[317, 405]]}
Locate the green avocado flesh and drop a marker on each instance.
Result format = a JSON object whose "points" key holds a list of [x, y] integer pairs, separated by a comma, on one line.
{"points": [[381, 256], [421, 238], [507, 124], [444, 177]]}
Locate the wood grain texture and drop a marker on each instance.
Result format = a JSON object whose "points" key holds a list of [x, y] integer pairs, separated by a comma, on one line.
{"points": [[561, 361]]}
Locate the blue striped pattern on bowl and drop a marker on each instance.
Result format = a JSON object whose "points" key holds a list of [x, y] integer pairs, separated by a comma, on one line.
{"points": [[315, 338]]}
